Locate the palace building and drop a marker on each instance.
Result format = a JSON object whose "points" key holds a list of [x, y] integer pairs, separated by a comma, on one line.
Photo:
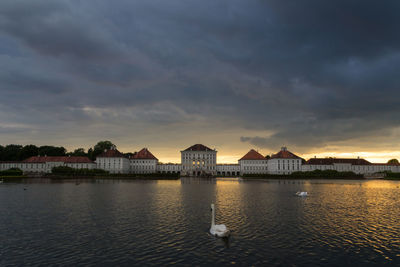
{"points": [[200, 160], [44, 164], [284, 162], [358, 165], [113, 161], [143, 162], [253, 163]]}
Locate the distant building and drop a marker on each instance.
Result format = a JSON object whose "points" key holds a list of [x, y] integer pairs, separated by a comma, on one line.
{"points": [[5, 165], [143, 162], [253, 163], [356, 165], [199, 160], [169, 168], [228, 170], [113, 161], [284, 162], [44, 164]]}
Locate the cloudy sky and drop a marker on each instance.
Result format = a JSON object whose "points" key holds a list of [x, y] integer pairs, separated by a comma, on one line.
{"points": [[320, 77]]}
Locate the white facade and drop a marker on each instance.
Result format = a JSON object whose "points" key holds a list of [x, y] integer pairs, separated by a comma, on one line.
{"points": [[284, 162], [199, 160], [356, 168], [143, 162], [228, 169], [8, 165], [253, 166], [169, 168], [284, 166], [143, 166], [113, 161], [113, 164], [46, 164], [81, 165]]}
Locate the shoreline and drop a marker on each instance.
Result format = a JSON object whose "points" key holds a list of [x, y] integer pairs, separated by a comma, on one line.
{"points": [[111, 177], [144, 178], [305, 178]]}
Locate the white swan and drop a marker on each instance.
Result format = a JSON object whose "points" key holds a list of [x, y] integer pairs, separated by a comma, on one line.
{"points": [[301, 194], [219, 230]]}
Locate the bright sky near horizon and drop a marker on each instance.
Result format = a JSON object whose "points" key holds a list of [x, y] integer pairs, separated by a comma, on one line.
{"points": [[320, 77]]}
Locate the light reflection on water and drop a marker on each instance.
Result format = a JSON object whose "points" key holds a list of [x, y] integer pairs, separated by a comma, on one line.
{"points": [[167, 222]]}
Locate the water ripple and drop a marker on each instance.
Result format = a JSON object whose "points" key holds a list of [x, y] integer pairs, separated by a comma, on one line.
{"points": [[161, 223]]}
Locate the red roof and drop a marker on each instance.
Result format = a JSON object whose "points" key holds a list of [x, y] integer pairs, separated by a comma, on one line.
{"points": [[331, 161], [143, 154], [198, 147], [386, 164], [111, 153], [253, 155], [65, 159], [284, 154]]}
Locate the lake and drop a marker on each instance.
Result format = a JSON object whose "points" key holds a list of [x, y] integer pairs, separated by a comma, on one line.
{"points": [[125, 223]]}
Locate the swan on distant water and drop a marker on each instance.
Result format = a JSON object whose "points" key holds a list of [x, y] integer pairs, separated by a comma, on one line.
{"points": [[301, 194], [219, 230]]}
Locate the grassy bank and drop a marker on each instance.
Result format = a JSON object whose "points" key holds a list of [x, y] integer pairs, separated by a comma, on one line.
{"points": [[64, 172], [392, 175], [13, 172], [317, 174], [110, 177], [12, 178]]}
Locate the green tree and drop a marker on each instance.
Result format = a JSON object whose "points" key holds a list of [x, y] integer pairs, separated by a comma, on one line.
{"points": [[100, 147], [393, 162], [52, 151], [1, 152], [12, 152], [11, 172], [90, 153], [78, 152], [28, 151]]}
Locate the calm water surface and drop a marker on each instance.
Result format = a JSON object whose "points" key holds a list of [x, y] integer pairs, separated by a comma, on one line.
{"points": [[166, 222]]}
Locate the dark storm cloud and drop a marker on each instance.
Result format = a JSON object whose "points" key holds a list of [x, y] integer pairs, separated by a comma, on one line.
{"points": [[311, 72], [55, 29], [19, 76]]}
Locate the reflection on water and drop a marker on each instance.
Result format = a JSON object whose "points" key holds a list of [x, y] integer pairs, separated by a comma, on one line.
{"points": [[111, 222]]}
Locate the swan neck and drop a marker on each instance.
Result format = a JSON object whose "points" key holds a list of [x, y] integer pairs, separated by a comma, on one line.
{"points": [[212, 217]]}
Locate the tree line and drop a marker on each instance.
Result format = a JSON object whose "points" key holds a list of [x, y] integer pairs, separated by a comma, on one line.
{"points": [[18, 152]]}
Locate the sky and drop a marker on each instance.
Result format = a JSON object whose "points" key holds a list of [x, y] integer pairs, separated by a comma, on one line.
{"points": [[319, 77]]}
